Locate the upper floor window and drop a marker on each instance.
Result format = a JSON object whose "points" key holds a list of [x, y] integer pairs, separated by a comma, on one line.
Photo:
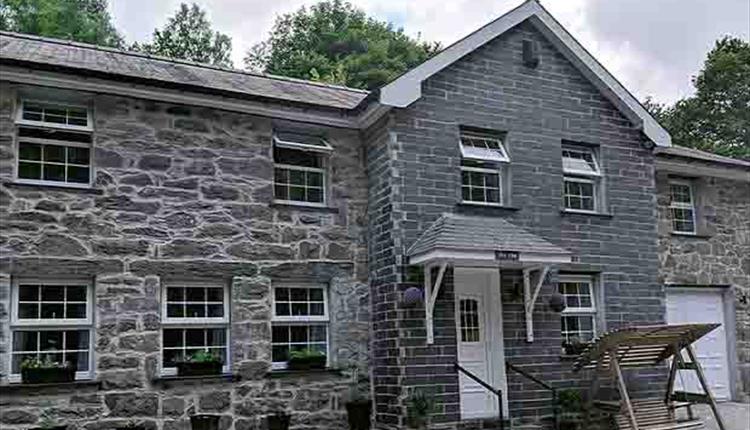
{"points": [[682, 207], [53, 144], [51, 323], [581, 179], [483, 164], [579, 317], [300, 321], [299, 168], [195, 319]]}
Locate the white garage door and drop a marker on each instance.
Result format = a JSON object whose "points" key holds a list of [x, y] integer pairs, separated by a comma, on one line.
{"points": [[692, 305]]}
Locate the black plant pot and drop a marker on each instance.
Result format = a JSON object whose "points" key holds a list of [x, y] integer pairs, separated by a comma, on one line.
{"points": [[307, 363], [204, 422], [358, 414], [278, 422], [48, 375], [189, 368]]}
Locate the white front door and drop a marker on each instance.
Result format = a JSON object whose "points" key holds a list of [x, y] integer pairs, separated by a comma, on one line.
{"points": [[693, 305], [480, 340]]}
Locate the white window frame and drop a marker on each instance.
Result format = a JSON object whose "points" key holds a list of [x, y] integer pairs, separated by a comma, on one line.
{"points": [[194, 323], [302, 320], [500, 179], [469, 152], [594, 195], [684, 206], [321, 151], [82, 324], [21, 122], [570, 148], [43, 124], [324, 187], [591, 311], [281, 143]]}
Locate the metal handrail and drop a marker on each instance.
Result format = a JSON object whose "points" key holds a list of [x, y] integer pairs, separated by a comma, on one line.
{"points": [[553, 390], [490, 388]]}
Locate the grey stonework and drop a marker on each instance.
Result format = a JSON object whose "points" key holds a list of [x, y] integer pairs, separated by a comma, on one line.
{"points": [[719, 256], [185, 193], [414, 177]]}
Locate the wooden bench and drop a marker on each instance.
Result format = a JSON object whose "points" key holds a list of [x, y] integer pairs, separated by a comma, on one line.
{"points": [[654, 414]]}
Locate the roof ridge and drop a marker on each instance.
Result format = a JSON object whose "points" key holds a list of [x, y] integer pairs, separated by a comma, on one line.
{"points": [[176, 61]]}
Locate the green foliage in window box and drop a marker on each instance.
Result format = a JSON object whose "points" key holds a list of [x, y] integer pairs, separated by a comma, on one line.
{"points": [[200, 363], [45, 371], [306, 359], [574, 347]]}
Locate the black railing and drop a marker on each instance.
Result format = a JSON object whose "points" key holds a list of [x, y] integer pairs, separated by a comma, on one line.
{"points": [[546, 386], [488, 387]]}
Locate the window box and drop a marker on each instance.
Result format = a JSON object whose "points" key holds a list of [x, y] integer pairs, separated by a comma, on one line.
{"points": [[192, 368], [204, 422], [574, 348], [307, 363], [48, 375]]}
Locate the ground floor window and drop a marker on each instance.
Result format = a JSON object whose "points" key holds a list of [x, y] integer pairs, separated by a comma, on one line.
{"points": [[300, 322], [578, 322]]}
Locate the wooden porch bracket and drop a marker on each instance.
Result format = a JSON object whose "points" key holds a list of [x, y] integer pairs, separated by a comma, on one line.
{"points": [[430, 296], [530, 296]]}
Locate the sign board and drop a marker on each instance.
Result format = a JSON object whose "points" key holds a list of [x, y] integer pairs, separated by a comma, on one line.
{"points": [[506, 255]]}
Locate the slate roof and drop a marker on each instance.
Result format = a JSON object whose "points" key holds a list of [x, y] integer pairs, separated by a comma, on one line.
{"points": [[452, 231], [78, 57], [681, 151]]}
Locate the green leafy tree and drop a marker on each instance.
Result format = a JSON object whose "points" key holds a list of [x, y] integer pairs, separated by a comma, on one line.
{"points": [[335, 42], [717, 117], [188, 36], [79, 20]]}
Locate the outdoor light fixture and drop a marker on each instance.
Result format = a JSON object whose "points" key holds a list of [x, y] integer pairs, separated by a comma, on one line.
{"points": [[557, 302]]}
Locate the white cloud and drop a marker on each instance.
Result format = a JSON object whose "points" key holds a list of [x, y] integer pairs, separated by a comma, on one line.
{"points": [[653, 47]]}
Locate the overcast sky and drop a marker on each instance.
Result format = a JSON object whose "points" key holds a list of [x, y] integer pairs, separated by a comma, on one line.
{"points": [[653, 46]]}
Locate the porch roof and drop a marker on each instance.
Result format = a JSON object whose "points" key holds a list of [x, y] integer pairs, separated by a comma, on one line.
{"points": [[454, 236]]}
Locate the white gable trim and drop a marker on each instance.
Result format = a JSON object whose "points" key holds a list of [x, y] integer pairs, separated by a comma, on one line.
{"points": [[407, 89]]}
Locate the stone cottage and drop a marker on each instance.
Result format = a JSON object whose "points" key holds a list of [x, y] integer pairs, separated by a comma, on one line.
{"points": [[153, 209]]}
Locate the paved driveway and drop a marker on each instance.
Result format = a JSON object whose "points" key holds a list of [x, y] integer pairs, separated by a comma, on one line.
{"points": [[735, 415]]}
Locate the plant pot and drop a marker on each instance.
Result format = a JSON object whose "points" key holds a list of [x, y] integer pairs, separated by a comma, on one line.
{"points": [[204, 422], [47, 375], [308, 363], [358, 414], [278, 422], [189, 368], [575, 349]]}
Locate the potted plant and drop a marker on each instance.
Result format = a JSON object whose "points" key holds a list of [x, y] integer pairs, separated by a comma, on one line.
{"points": [[45, 371], [306, 359], [420, 406], [200, 363], [571, 406], [278, 421], [204, 422], [574, 346], [358, 407]]}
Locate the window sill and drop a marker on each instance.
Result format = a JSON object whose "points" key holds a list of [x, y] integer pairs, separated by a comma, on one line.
{"points": [[46, 187], [569, 212], [47, 388], [304, 207], [690, 235], [283, 373], [169, 381], [487, 206]]}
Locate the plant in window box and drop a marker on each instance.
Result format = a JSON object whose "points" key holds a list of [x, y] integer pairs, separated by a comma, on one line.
{"points": [[44, 371], [358, 405], [306, 359], [278, 421], [574, 346], [200, 363], [420, 406]]}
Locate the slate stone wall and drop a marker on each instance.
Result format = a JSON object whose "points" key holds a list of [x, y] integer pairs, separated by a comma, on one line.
{"points": [[185, 193], [719, 256], [537, 108]]}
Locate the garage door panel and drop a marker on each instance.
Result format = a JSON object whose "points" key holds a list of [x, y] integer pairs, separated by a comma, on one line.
{"points": [[689, 306]]}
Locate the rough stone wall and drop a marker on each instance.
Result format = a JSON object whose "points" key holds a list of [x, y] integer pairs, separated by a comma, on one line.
{"points": [[538, 108], [718, 256], [185, 193]]}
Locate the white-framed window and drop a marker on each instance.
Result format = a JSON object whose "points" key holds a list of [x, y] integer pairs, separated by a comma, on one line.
{"points": [[53, 144], [682, 206], [300, 321], [471, 330], [581, 179], [300, 168], [484, 161], [51, 320], [580, 314], [195, 317]]}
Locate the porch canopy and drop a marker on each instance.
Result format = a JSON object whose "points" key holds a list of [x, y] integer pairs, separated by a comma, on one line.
{"points": [[476, 241]]}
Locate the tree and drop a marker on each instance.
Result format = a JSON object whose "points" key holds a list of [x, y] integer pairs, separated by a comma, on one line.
{"points": [[717, 117], [335, 42], [189, 36], [80, 20]]}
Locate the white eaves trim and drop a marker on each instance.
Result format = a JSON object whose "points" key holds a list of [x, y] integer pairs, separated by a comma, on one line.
{"points": [[408, 87], [487, 258]]}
